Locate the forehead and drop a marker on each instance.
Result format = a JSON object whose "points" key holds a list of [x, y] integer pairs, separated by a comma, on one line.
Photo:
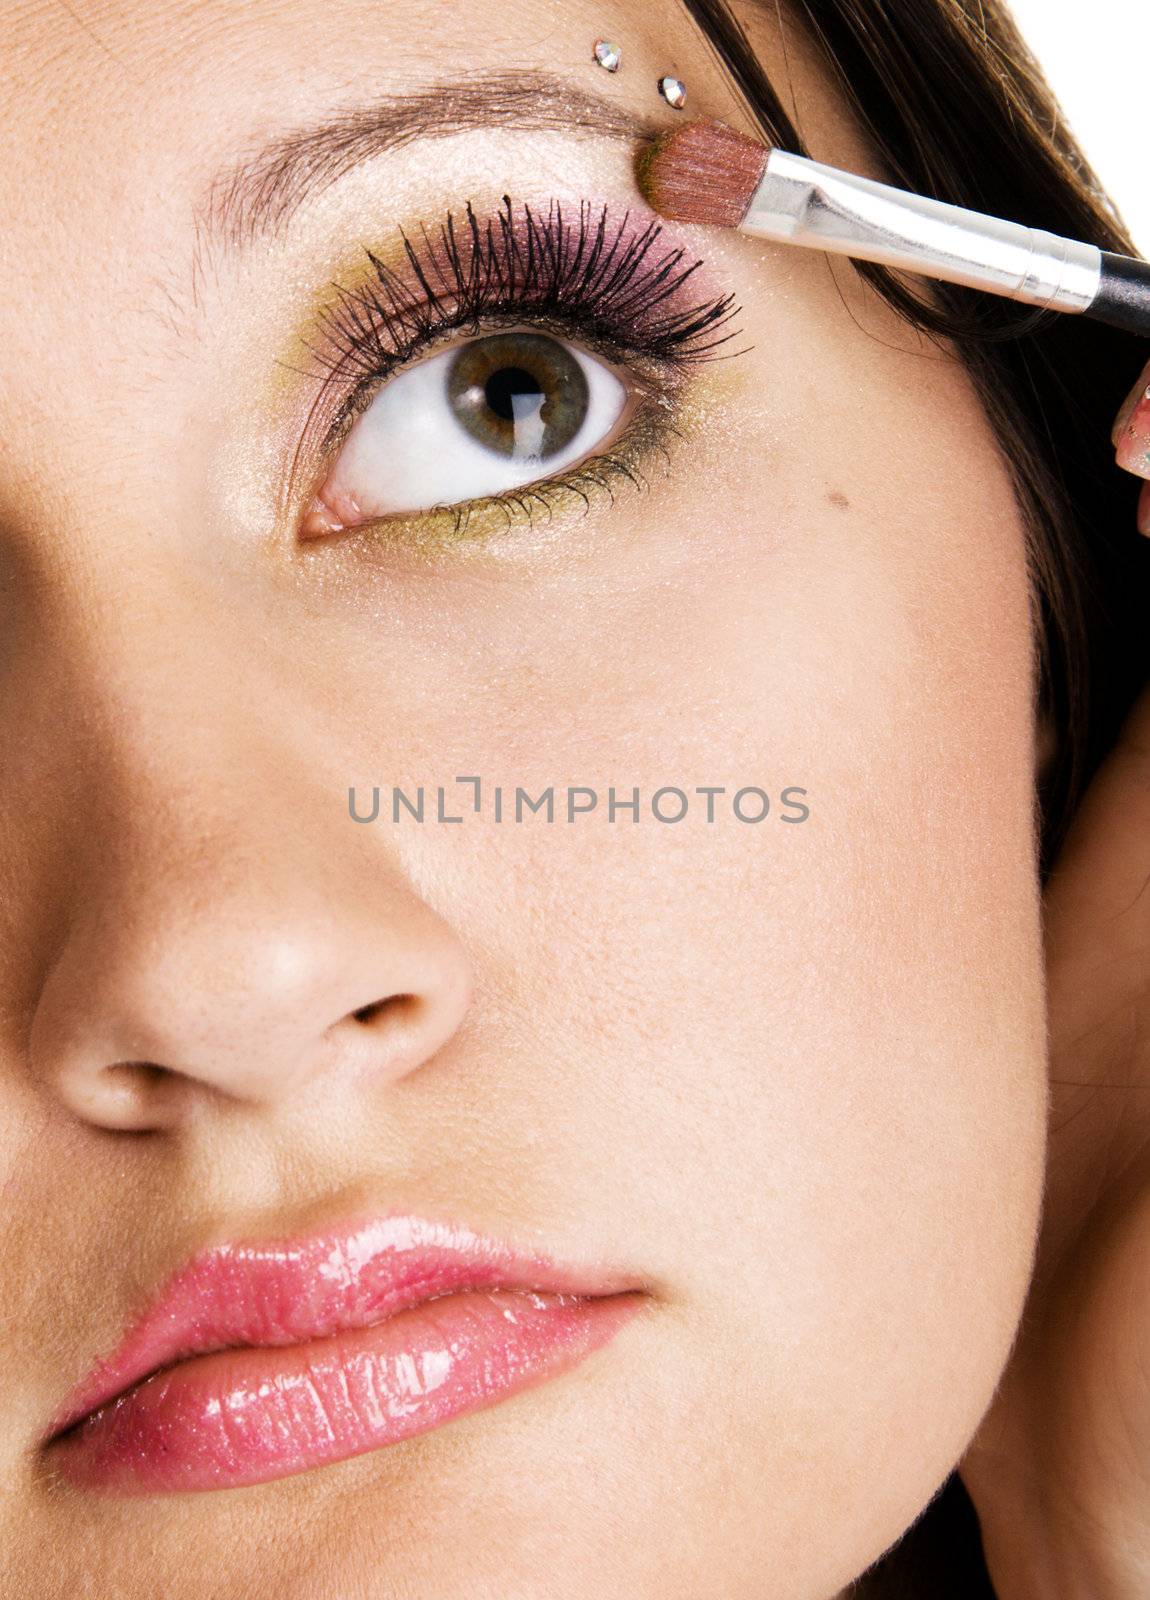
{"points": [[110, 99], [186, 76], [119, 115], [122, 119]]}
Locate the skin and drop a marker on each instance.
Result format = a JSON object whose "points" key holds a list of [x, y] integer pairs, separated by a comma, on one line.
{"points": [[1058, 1470], [792, 1079]]}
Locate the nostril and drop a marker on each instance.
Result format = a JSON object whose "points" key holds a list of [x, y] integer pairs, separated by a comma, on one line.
{"points": [[136, 1074], [394, 1007], [130, 1096]]}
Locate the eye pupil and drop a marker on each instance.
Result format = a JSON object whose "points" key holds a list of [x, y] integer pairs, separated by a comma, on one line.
{"points": [[520, 395], [508, 385]]}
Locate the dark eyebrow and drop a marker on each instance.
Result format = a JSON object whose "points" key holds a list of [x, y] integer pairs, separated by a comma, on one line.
{"points": [[260, 191]]}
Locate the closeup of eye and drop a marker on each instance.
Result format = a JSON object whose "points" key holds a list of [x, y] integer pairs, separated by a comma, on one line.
{"points": [[448, 385], [483, 418]]}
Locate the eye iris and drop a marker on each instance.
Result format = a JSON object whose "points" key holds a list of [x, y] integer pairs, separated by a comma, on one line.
{"points": [[522, 395]]}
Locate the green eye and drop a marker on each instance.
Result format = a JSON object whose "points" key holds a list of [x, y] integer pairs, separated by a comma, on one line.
{"points": [[491, 416], [522, 395], [519, 416]]}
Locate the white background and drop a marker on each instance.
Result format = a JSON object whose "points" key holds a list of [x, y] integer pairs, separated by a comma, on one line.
{"points": [[1095, 55]]}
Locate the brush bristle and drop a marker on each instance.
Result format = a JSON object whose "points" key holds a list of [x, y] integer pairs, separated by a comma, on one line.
{"points": [[704, 172]]}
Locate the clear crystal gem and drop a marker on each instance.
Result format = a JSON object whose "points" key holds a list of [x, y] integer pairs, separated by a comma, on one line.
{"points": [[608, 55], [674, 92]]}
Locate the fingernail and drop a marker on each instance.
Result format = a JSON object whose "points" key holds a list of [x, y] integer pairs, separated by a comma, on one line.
{"points": [[1131, 435], [1126, 409], [1144, 510]]}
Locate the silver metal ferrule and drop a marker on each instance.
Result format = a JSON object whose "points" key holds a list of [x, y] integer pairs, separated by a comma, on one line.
{"points": [[803, 202]]}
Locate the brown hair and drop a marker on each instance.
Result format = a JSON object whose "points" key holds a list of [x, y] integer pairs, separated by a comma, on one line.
{"points": [[955, 106]]}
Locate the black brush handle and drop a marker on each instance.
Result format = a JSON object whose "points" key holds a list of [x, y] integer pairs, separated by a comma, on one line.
{"points": [[1123, 298]]}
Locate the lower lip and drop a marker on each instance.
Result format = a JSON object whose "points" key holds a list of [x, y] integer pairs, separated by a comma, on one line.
{"points": [[250, 1415]]}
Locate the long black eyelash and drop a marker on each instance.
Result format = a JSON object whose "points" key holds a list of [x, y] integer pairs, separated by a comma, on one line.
{"points": [[624, 294]]}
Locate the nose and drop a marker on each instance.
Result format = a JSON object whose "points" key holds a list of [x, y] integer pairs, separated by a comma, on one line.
{"points": [[247, 955]]}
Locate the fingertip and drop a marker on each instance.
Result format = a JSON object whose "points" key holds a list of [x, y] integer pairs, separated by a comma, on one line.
{"points": [[1132, 424]]}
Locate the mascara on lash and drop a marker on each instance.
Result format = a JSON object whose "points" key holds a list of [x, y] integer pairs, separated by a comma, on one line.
{"points": [[623, 293]]}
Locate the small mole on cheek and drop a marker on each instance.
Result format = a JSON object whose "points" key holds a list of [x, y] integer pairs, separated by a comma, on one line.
{"points": [[838, 498]]}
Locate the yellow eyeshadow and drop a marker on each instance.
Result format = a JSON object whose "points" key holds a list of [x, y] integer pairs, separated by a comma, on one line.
{"points": [[641, 453]]}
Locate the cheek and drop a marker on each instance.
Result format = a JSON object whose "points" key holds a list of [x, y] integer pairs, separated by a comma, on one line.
{"points": [[868, 986], [795, 1070], [820, 1046]]}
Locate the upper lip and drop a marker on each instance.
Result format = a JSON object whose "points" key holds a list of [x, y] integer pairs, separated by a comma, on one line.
{"points": [[287, 1291]]}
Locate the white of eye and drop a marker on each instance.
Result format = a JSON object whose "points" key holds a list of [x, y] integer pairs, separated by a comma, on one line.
{"points": [[409, 451]]}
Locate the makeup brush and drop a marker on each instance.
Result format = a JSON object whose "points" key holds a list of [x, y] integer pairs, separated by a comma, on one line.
{"points": [[707, 172]]}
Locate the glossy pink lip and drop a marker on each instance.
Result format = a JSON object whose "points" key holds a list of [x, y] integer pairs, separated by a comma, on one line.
{"points": [[261, 1360]]}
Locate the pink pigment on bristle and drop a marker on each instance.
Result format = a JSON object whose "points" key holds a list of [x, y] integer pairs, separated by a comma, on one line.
{"points": [[705, 172]]}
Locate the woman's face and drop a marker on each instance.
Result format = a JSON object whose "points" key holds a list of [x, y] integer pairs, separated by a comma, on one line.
{"points": [[781, 1081]]}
